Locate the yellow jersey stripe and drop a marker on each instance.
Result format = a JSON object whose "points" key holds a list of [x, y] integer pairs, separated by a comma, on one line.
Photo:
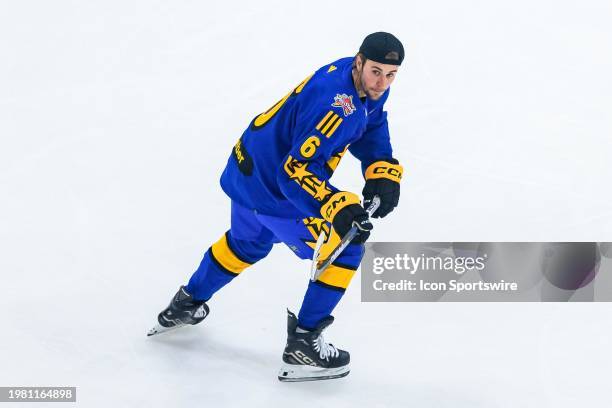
{"points": [[329, 123], [333, 129], [335, 159], [324, 119]]}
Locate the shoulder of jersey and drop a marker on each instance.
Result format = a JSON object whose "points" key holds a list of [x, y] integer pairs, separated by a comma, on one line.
{"points": [[332, 100], [338, 92]]}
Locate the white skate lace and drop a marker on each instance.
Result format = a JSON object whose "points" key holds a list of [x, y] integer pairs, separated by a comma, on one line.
{"points": [[199, 312], [325, 350]]}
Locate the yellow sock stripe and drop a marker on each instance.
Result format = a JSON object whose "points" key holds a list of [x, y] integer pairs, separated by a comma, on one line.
{"points": [[333, 129], [337, 202], [382, 169], [324, 119], [226, 257], [337, 276]]}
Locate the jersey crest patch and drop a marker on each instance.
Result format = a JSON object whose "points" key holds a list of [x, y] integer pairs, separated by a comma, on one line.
{"points": [[345, 102]]}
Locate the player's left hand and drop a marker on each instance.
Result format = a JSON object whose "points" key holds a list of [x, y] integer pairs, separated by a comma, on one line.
{"points": [[382, 180]]}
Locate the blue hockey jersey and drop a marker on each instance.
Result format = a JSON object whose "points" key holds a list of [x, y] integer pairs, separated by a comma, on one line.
{"points": [[282, 163]]}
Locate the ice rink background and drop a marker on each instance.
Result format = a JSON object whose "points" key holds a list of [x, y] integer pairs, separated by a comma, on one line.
{"points": [[116, 119]]}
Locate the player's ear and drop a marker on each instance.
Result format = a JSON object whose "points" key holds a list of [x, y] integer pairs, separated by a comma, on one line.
{"points": [[358, 61]]}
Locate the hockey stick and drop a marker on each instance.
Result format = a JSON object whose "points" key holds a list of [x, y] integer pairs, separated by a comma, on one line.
{"points": [[315, 270]]}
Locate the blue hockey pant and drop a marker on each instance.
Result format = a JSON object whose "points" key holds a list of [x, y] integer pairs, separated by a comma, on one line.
{"points": [[251, 238]]}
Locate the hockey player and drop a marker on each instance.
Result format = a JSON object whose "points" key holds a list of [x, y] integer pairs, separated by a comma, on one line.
{"points": [[277, 177]]}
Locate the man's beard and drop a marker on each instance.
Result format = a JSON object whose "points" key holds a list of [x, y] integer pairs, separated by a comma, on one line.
{"points": [[374, 96], [369, 94]]}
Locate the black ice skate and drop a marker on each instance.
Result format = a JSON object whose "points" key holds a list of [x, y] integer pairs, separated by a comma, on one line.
{"points": [[307, 357], [181, 311]]}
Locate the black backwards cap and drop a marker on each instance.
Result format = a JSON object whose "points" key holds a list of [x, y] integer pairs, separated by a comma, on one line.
{"points": [[383, 47]]}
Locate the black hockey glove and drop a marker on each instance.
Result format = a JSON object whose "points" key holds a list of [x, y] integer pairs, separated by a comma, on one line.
{"points": [[353, 214], [383, 180], [343, 211]]}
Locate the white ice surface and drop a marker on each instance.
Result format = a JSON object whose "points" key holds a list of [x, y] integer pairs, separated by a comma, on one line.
{"points": [[116, 119]]}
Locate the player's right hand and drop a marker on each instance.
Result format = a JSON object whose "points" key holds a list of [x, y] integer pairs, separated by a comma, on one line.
{"points": [[353, 214], [343, 210]]}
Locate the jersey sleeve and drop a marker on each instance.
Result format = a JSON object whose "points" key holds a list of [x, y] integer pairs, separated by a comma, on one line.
{"points": [[303, 176], [375, 143]]}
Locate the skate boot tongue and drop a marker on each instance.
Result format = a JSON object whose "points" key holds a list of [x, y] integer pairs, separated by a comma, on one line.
{"points": [[182, 295], [308, 357], [323, 324], [326, 350], [317, 341]]}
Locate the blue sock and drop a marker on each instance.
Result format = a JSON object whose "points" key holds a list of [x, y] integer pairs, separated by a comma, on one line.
{"points": [[208, 278], [319, 302]]}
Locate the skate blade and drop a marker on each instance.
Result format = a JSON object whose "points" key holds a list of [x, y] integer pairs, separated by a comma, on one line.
{"points": [[158, 328], [300, 373]]}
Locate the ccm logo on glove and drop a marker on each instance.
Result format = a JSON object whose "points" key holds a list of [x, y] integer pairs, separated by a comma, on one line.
{"points": [[382, 180], [386, 170], [337, 202], [343, 211]]}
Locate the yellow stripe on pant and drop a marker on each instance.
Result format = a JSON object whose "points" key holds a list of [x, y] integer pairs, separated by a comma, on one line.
{"points": [[337, 276], [224, 255]]}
